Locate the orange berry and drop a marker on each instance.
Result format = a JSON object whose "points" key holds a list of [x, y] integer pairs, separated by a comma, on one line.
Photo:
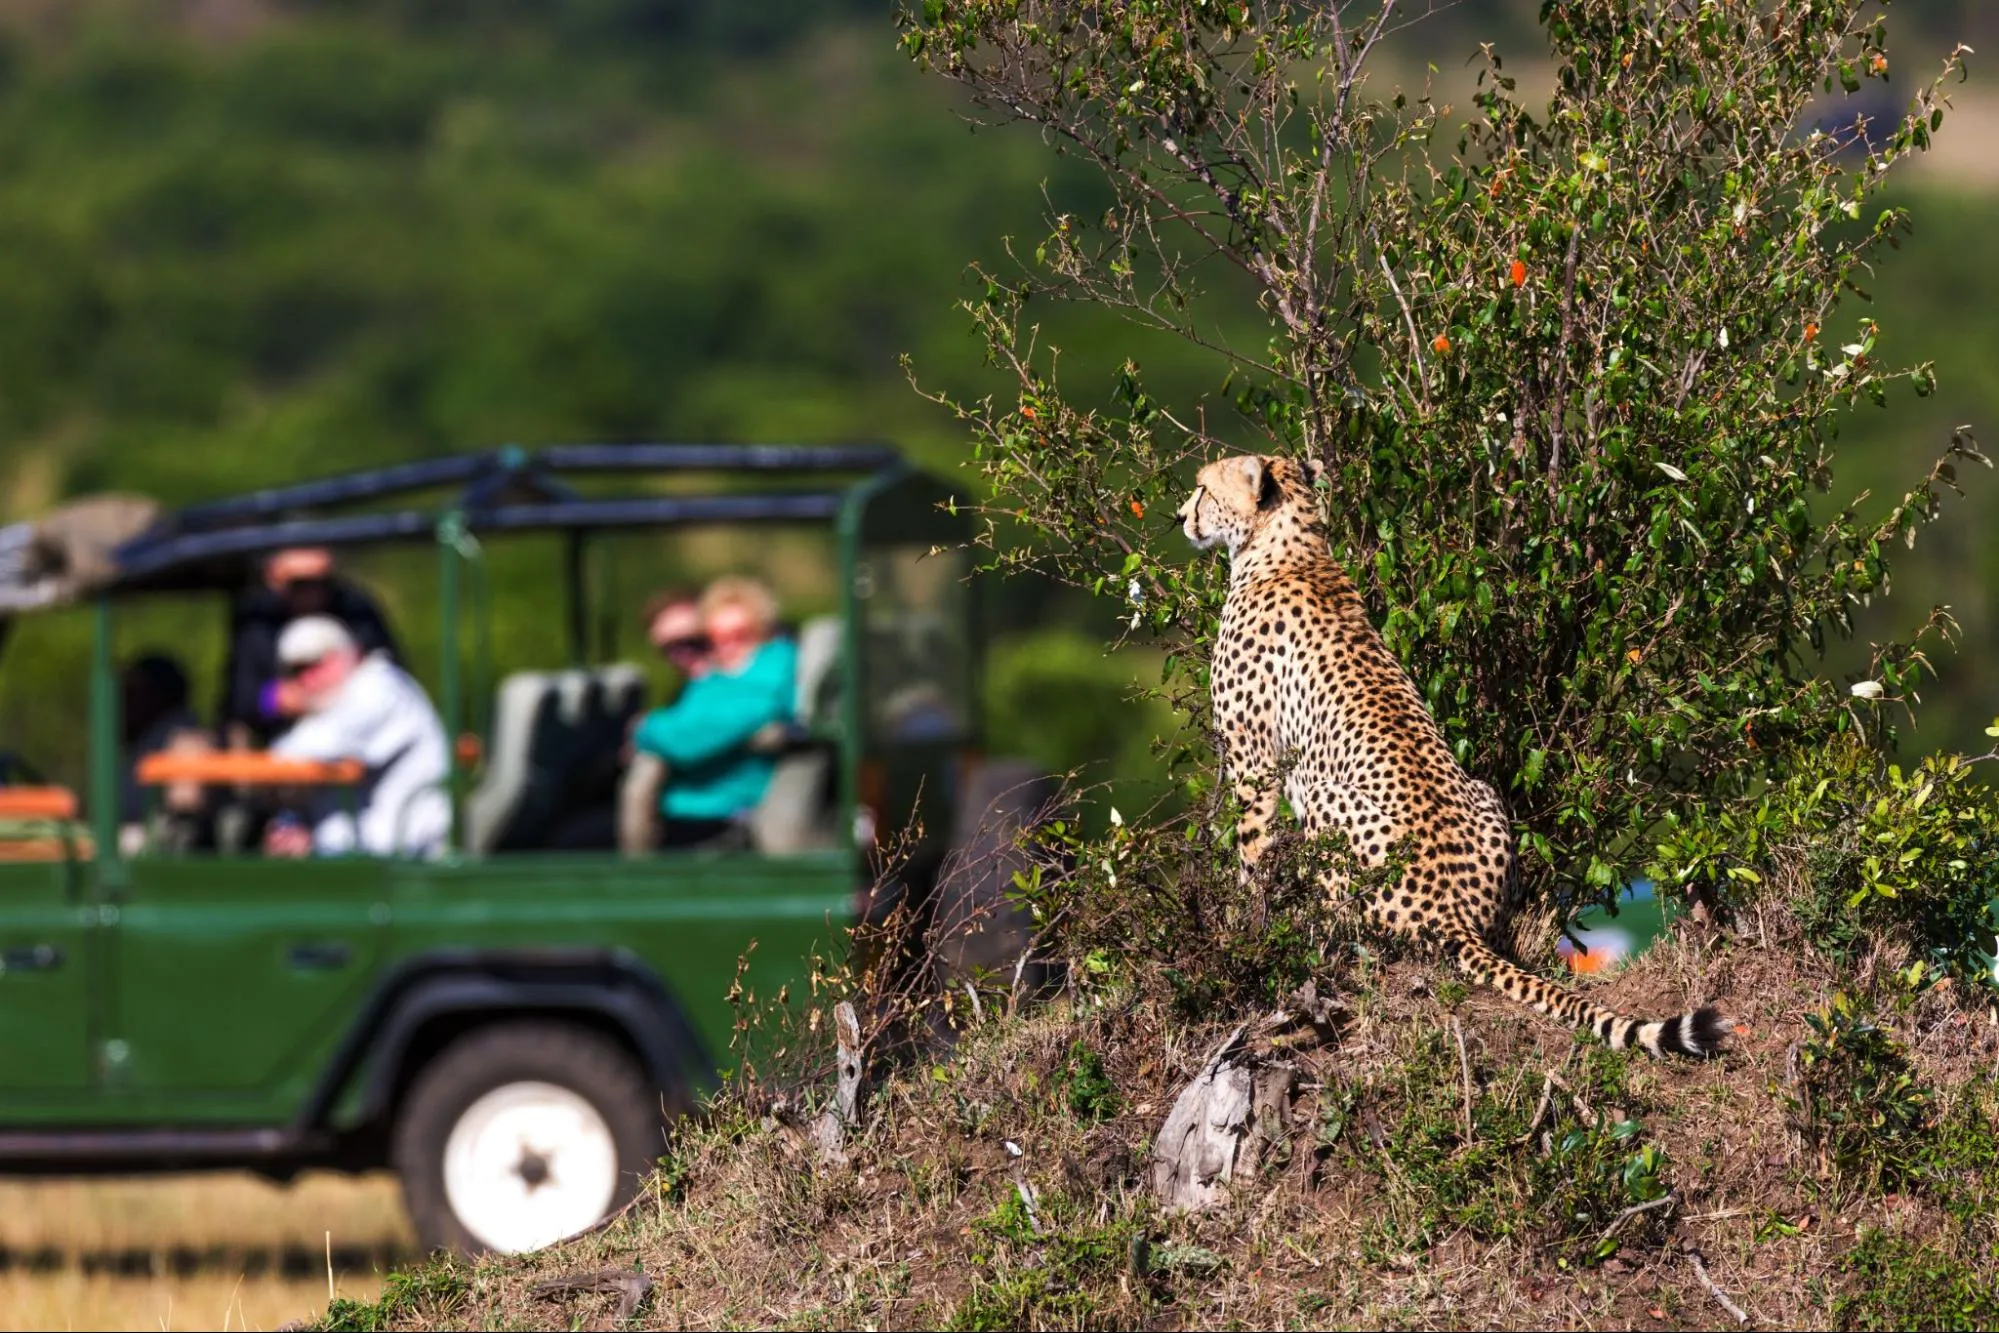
{"points": [[1811, 330], [1880, 64], [1137, 509], [1518, 274], [1440, 344], [1634, 657], [1027, 412]]}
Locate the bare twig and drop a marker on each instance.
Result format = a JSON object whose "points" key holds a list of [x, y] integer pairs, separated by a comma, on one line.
{"points": [[605, 1222], [1720, 1296], [1665, 1200], [1415, 338], [1464, 1067], [1559, 404], [1583, 1108], [1027, 1201], [1547, 1097]]}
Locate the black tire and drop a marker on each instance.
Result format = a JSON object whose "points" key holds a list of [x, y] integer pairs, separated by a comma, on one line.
{"points": [[973, 925], [583, 1062]]}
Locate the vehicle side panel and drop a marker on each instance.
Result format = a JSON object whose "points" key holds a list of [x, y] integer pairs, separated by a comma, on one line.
{"points": [[687, 917]]}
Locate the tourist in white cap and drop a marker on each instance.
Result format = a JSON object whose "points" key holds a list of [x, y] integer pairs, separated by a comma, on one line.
{"points": [[363, 707]]}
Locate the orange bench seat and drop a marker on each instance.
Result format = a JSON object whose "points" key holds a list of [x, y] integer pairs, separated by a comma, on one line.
{"points": [[247, 768], [58, 803]]}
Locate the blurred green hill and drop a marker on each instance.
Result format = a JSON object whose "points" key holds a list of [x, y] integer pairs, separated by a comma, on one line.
{"points": [[244, 241]]}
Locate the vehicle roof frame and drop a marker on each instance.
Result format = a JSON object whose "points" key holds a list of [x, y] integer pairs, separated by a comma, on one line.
{"points": [[500, 490]]}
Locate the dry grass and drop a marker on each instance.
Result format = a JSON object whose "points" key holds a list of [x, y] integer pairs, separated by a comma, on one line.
{"points": [[191, 1252], [1349, 1228]]}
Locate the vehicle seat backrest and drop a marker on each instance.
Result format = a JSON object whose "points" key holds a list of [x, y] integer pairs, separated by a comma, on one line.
{"points": [[798, 809], [524, 706], [598, 706], [554, 751], [818, 669]]}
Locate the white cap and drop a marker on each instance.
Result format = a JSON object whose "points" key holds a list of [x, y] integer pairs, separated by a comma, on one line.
{"points": [[310, 638]]}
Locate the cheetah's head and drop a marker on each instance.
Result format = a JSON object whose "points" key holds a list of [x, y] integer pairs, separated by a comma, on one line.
{"points": [[1233, 496]]}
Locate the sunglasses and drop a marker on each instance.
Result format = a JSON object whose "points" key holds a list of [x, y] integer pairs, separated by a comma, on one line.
{"points": [[687, 645], [293, 670]]}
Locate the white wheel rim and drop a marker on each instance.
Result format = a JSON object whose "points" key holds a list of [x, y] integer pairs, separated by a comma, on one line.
{"points": [[528, 1164]]}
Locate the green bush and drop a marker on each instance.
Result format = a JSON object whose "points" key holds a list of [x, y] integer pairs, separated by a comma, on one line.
{"points": [[1871, 854], [1897, 1282], [1575, 370], [1088, 1091], [1858, 1099]]}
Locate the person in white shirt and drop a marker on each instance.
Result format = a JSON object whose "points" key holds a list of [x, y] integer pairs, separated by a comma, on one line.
{"points": [[363, 707]]}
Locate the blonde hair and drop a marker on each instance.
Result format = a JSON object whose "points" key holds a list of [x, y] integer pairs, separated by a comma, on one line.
{"points": [[740, 590]]}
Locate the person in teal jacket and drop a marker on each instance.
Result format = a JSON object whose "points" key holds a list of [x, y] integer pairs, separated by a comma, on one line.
{"points": [[750, 680]]}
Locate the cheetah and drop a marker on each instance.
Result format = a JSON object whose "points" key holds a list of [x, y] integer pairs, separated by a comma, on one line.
{"points": [[1309, 701]]}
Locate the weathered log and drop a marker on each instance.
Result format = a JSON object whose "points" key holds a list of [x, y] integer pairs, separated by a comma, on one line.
{"points": [[1220, 1125], [1238, 1106]]}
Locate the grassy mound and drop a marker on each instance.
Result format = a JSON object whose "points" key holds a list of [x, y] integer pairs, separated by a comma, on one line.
{"points": [[1448, 1159]]}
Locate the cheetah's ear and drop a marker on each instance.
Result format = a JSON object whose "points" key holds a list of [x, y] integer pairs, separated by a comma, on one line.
{"points": [[1315, 471], [1261, 481]]}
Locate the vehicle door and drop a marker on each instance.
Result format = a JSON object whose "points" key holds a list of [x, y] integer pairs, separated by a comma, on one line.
{"points": [[47, 930], [231, 979]]}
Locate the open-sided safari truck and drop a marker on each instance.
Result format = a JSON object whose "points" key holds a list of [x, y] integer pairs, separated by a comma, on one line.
{"points": [[504, 1024]]}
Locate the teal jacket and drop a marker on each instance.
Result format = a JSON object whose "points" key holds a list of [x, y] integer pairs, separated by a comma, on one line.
{"points": [[702, 735]]}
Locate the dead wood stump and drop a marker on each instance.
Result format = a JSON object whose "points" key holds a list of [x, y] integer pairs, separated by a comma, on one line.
{"points": [[1238, 1107]]}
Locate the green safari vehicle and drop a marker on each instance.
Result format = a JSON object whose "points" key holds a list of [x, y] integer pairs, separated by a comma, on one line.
{"points": [[508, 1027]]}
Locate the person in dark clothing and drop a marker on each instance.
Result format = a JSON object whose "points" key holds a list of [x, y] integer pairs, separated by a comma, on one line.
{"points": [[154, 712], [256, 702]]}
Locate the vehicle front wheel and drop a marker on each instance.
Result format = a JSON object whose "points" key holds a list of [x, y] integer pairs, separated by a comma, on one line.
{"points": [[520, 1134]]}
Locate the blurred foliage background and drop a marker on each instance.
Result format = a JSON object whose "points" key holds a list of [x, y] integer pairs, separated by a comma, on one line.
{"points": [[248, 241]]}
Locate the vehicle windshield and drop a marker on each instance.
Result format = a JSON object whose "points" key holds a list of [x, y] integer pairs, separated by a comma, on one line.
{"points": [[919, 670]]}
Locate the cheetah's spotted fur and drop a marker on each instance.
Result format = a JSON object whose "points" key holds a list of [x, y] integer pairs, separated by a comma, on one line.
{"points": [[1309, 700]]}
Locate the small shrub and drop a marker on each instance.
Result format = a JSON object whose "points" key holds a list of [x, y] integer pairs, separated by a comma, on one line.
{"points": [[1895, 1282], [1919, 860], [1055, 1275], [1859, 1101], [428, 1293], [1904, 857], [1961, 1167], [1009, 1220], [1160, 911], [1090, 1095]]}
